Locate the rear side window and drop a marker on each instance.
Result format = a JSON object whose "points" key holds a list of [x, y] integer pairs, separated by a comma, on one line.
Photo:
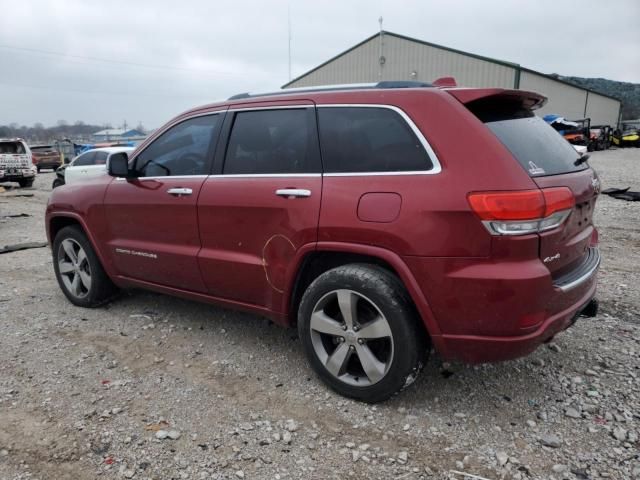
{"points": [[539, 148], [100, 158], [278, 141], [369, 139]]}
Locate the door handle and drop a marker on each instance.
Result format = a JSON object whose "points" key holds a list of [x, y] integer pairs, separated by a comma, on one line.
{"points": [[293, 192], [179, 192]]}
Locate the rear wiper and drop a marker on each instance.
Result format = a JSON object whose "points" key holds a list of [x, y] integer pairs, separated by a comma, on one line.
{"points": [[582, 159]]}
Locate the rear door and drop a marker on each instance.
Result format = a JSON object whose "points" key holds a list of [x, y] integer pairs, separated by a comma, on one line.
{"points": [[96, 167], [262, 205], [152, 220], [74, 172]]}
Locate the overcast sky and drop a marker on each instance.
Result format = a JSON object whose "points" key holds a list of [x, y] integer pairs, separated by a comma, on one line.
{"points": [[58, 58]]}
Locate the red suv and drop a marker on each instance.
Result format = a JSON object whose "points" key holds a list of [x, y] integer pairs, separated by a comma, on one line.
{"points": [[382, 220]]}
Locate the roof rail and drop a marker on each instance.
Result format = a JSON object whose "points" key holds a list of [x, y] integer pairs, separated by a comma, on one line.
{"points": [[402, 84], [330, 88]]}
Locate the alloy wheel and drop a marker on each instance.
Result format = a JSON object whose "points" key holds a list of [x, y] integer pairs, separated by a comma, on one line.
{"points": [[351, 337], [74, 268]]}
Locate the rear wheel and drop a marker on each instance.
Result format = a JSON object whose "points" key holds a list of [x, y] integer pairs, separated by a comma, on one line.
{"points": [[360, 332], [26, 183], [78, 269]]}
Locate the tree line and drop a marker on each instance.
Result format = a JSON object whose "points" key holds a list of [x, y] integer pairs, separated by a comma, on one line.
{"points": [[38, 133]]}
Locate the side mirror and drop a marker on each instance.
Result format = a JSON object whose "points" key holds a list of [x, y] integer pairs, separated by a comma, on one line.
{"points": [[118, 165]]}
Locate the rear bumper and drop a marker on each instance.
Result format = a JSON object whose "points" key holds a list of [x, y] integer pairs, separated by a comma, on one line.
{"points": [[492, 311], [14, 177], [481, 349], [582, 274]]}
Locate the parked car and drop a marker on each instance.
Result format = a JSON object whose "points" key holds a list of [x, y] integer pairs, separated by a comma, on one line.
{"points": [[45, 156], [16, 163], [89, 164], [358, 215]]}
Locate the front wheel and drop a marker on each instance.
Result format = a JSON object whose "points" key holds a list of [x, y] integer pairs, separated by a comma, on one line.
{"points": [[26, 183], [360, 332], [78, 270], [57, 183]]}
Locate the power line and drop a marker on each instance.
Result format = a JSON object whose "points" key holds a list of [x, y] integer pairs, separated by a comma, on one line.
{"points": [[101, 92], [118, 62]]}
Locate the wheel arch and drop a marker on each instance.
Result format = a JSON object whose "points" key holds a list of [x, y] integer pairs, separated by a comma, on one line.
{"points": [[58, 221], [328, 255]]}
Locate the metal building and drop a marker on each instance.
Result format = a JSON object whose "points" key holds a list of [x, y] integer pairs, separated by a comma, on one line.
{"points": [[389, 56]]}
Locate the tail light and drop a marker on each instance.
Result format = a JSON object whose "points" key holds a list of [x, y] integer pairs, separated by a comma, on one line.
{"points": [[523, 211]]}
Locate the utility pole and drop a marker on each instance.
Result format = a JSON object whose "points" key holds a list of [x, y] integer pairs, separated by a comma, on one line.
{"points": [[289, 35], [381, 59]]}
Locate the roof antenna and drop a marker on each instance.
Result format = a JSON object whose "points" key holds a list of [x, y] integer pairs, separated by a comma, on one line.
{"points": [[381, 59]]}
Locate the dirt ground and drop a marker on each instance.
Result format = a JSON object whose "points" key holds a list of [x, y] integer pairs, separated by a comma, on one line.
{"points": [[86, 394]]}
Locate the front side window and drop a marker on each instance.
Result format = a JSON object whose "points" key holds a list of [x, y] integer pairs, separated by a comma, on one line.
{"points": [[279, 141], [369, 139], [85, 159], [184, 149], [100, 158]]}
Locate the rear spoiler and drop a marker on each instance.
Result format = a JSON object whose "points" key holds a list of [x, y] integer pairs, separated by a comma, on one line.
{"points": [[530, 100]]}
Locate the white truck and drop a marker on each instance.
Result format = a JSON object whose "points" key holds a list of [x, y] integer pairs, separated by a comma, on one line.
{"points": [[16, 163]]}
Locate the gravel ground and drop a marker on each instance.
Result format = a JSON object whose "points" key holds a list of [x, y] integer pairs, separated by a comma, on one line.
{"points": [[153, 387]]}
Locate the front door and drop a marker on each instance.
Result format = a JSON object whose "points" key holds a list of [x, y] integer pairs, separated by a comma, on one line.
{"points": [[262, 206], [152, 220]]}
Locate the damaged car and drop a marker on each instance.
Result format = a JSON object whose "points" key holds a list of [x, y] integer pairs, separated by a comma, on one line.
{"points": [[354, 215], [16, 164]]}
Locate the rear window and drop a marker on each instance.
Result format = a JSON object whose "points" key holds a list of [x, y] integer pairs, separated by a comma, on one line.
{"points": [[11, 148], [535, 145]]}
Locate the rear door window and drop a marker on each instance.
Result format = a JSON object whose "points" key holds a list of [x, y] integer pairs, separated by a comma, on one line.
{"points": [[369, 139], [539, 148], [278, 141], [100, 158], [85, 159]]}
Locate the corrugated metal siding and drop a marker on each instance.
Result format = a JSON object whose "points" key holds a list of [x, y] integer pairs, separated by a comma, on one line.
{"points": [[602, 110], [404, 57], [564, 99], [571, 102]]}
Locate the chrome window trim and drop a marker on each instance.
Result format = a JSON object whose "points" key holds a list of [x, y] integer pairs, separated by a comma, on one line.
{"points": [[267, 175], [162, 177], [272, 107], [437, 168]]}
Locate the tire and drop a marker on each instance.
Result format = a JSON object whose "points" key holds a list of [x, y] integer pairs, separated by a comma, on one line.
{"points": [[335, 345], [38, 168], [82, 279], [26, 183], [57, 183]]}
